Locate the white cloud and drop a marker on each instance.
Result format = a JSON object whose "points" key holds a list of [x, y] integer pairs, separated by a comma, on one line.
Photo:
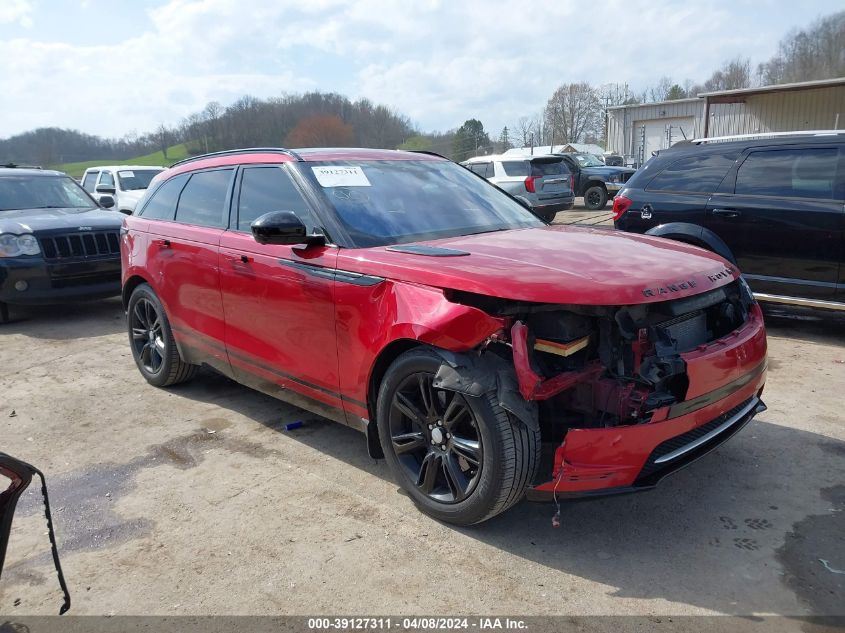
{"points": [[440, 62], [16, 11]]}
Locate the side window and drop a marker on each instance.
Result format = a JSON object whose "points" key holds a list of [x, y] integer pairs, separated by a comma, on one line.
{"points": [[90, 180], [789, 173], [203, 199], [266, 189], [162, 203], [518, 168], [700, 173], [107, 179]]}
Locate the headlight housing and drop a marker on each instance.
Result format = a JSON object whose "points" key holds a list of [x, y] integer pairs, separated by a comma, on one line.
{"points": [[745, 290], [12, 245], [614, 178]]}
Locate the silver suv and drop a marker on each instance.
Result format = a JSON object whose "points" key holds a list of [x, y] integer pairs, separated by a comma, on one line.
{"points": [[543, 183]]}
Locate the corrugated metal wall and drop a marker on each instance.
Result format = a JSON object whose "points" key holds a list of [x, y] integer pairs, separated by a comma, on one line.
{"points": [[780, 112], [623, 122], [812, 109]]}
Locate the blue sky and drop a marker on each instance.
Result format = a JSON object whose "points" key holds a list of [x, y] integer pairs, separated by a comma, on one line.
{"points": [[117, 66]]}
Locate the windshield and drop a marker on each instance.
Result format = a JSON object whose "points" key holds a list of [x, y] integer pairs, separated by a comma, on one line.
{"points": [[42, 192], [587, 160], [541, 168], [136, 179], [393, 202]]}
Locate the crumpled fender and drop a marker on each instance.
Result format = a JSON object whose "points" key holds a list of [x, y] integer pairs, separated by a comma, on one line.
{"points": [[475, 374]]}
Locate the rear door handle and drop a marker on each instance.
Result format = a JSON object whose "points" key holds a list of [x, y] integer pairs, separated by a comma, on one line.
{"points": [[236, 258], [727, 213]]}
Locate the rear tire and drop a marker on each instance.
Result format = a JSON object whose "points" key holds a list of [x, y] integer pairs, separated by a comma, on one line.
{"points": [[595, 198], [151, 340], [461, 459]]}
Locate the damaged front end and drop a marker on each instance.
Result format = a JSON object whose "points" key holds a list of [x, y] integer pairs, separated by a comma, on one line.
{"points": [[608, 385]]}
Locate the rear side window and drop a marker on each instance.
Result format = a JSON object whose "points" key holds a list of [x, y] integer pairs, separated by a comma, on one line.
{"points": [[203, 199], [266, 189], [107, 179], [162, 203], [518, 168], [789, 173], [89, 181], [701, 173]]}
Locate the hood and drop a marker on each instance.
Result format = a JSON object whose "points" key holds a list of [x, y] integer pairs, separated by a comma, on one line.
{"points": [[607, 170], [58, 220], [560, 264]]}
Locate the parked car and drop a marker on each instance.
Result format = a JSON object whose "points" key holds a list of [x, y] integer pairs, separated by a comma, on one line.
{"points": [[771, 204], [125, 183], [56, 243], [594, 181], [542, 183], [482, 352]]}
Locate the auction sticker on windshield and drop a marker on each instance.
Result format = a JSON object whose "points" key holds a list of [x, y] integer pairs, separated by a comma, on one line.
{"points": [[341, 177]]}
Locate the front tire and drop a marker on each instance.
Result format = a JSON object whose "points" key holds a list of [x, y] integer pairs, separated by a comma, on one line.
{"points": [[595, 198], [461, 459], [152, 343]]}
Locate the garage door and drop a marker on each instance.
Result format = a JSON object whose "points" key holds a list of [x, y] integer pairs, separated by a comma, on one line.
{"points": [[661, 134]]}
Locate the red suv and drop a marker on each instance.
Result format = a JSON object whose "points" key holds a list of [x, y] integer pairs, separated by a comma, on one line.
{"points": [[483, 353]]}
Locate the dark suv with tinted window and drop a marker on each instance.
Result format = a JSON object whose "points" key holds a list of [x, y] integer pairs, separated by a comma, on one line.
{"points": [[772, 204]]}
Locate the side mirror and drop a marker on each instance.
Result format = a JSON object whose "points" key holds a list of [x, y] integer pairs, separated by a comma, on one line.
{"points": [[105, 189], [107, 202], [282, 227], [15, 476]]}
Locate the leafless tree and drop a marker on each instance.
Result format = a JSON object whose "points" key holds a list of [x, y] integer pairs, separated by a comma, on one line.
{"points": [[163, 137], [817, 52], [573, 112]]}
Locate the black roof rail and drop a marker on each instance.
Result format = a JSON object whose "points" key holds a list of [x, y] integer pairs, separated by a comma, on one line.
{"points": [[11, 165], [425, 151], [245, 150]]}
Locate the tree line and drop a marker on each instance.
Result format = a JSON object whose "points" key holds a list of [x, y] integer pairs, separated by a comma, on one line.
{"points": [[313, 119]]}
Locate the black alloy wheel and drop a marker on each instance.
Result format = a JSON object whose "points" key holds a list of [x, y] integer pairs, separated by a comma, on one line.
{"points": [[460, 458], [595, 198], [436, 439], [151, 339], [147, 335]]}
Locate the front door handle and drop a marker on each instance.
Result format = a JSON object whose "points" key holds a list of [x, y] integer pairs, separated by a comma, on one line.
{"points": [[162, 243], [236, 258], [727, 213]]}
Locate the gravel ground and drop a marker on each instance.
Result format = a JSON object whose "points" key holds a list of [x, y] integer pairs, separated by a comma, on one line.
{"points": [[195, 500]]}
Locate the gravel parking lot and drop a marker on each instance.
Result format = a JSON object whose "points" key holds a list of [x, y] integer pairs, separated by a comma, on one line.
{"points": [[196, 500]]}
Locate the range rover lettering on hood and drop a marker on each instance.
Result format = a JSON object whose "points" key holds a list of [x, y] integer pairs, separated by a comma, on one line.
{"points": [[721, 274]]}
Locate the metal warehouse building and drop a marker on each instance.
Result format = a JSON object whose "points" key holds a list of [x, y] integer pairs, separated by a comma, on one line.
{"points": [[635, 131]]}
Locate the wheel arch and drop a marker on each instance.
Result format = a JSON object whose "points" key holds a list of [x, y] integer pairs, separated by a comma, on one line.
{"points": [[129, 286], [695, 235], [383, 361]]}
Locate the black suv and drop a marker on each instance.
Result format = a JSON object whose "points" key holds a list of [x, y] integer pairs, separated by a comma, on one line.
{"points": [[772, 204], [56, 243]]}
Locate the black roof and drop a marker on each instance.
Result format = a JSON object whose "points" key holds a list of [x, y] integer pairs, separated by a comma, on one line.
{"points": [[28, 171]]}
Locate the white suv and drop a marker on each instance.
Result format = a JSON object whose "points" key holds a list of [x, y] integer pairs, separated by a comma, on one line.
{"points": [[543, 183], [125, 183]]}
